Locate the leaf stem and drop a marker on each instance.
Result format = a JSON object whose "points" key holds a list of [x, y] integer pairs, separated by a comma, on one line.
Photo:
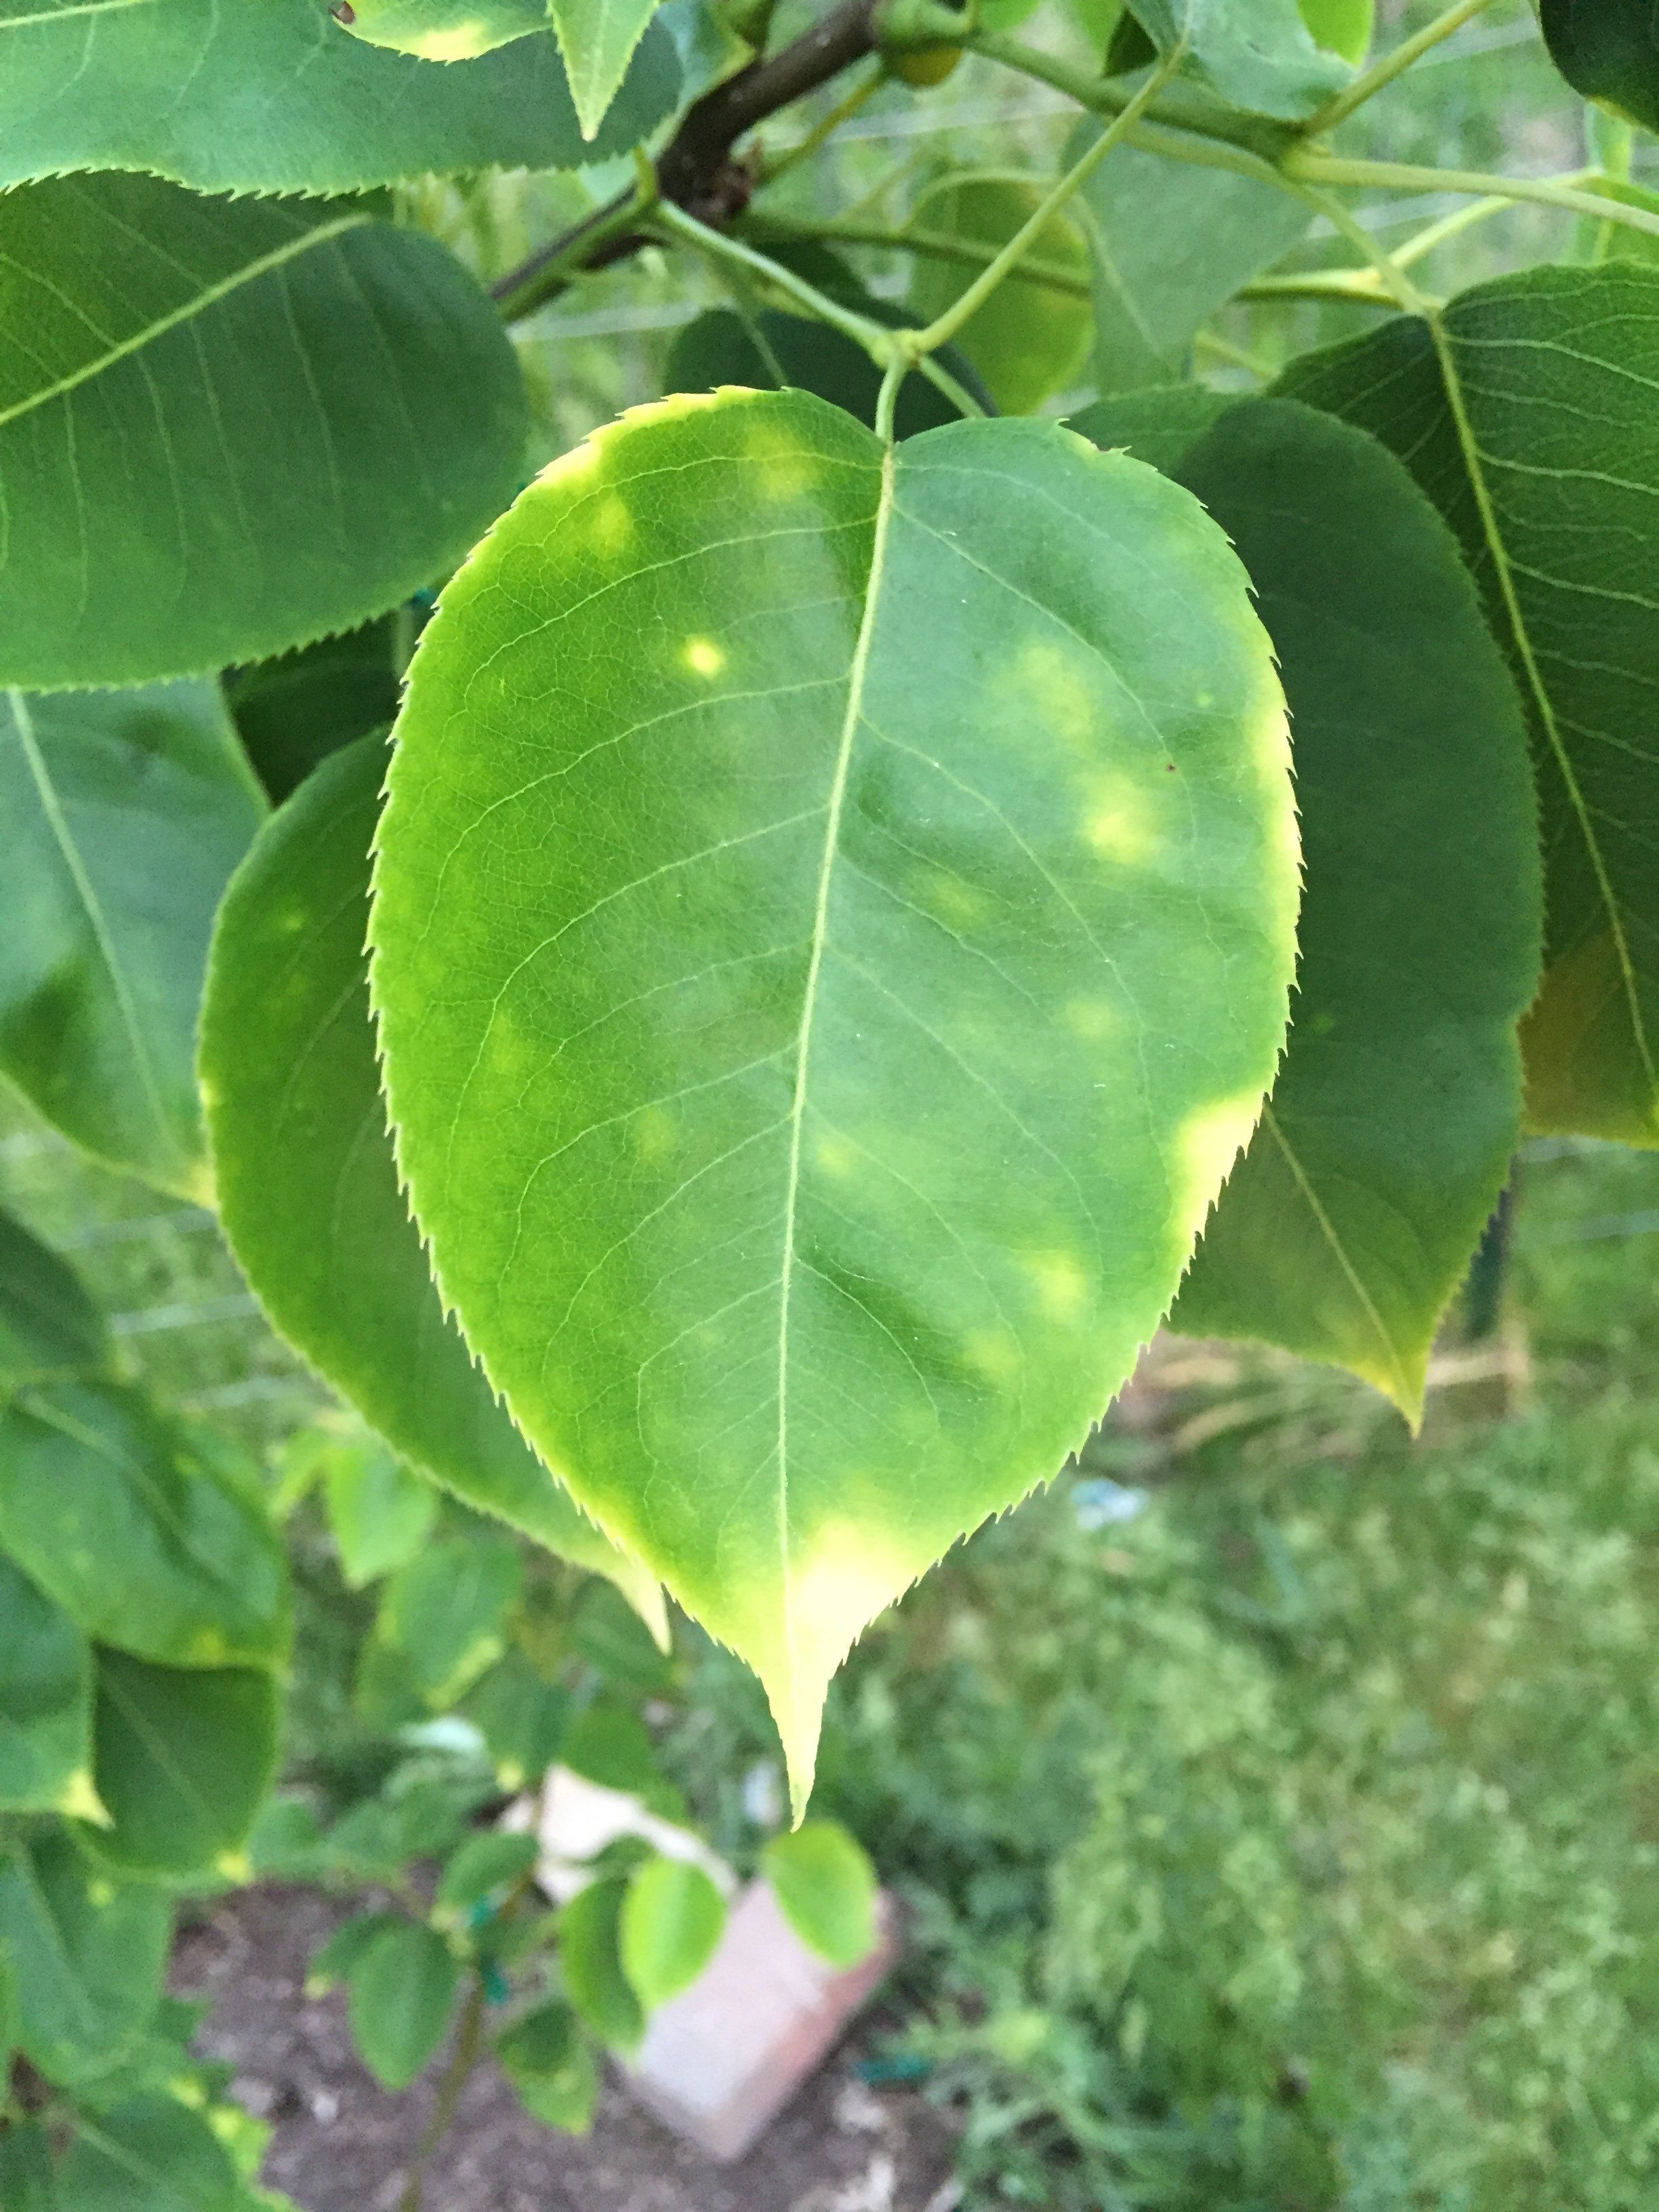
{"points": [[887, 401], [944, 327], [1395, 63], [879, 343], [1306, 166], [1180, 108], [935, 246], [468, 2042]]}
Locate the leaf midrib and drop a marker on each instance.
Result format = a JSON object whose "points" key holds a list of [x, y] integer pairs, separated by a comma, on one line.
{"points": [[855, 687], [209, 296], [62, 15]]}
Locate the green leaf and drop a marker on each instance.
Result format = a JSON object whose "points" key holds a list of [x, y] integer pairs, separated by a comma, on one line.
{"points": [[823, 1879], [1260, 55], [49, 1327], [1344, 27], [170, 510], [1346, 1230], [334, 1960], [45, 1703], [486, 1865], [26, 2176], [1172, 243], [616, 1642], [183, 1756], [608, 1744], [550, 2061], [293, 712], [770, 350], [123, 814], [402, 1988], [307, 1188], [444, 30], [598, 39], [590, 1964], [104, 1506], [1551, 481], [380, 1513], [1617, 241], [447, 1610], [1606, 50], [521, 1719], [809, 1151], [672, 1919], [87, 1957], [271, 98], [285, 1843], [1159, 425], [1027, 340], [153, 2155]]}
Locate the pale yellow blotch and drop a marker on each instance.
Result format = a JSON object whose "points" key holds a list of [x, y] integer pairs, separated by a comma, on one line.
{"points": [[835, 1156], [954, 903], [1061, 1282], [101, 1894], [235, 1866], [785, 471], [656, 1133], [464, 43], [1045, 682], [612, 525], [1206, 1143], [79, 1801], [1092, 1020], [702, 657], [994, 1353], [508, 1052], [1122, 823]]}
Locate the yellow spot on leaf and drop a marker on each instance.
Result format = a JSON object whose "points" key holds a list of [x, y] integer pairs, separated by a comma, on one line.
{"points": [[1062, 1284], [835, 1156], [702, 657], [613, 524]]}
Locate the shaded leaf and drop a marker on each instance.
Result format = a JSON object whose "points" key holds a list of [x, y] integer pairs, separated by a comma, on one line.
{"points": [[598, 39], [104, 1506], [808, 1151], [1608, 51], [1027, 340], [123, 814], [1171, 243], [521, 1719], [307, 1190], [445, 30], [183, 1756], [380, 1513], [152, 2154], [484, 1868], [823, 1879], [1346, 1230], [1159, 425], [169, 511], [445, 1610], [550, 2063], [88, 1956], [26, 2176], [49, 1326], [770, 350], [45, 1703], [401, 1991], [590, 1965], [271, 98], [293, 712], [1553, 489], [333, 1961], [1260, 55], [608, 1744], [672, 1919]]}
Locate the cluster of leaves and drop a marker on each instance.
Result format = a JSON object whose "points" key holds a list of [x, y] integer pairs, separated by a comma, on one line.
{"points": [[837, 882]]}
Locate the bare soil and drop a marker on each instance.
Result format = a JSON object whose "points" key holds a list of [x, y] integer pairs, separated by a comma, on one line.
{"points": [[344, 2144]]}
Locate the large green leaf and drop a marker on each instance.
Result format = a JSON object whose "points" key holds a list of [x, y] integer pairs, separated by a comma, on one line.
{"points": [[45, 1703], [307, 1189], [598, 39], [49, 1326], [1029, 339], [1160, 424], [228, 425], [1609, 51], [183, 1755], [1547, 469], [122, 814], [271, 97], [833, 922], [150, 2155], [1172, 242], [1257, 54], [378, 1514], [443, 30], [822, 1879], [145, 1547], [1349, 1222], [87, 1955], [671, 1920]]}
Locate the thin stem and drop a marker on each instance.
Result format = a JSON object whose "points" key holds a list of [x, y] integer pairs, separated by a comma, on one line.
{"points": [[1179, 108], [887, 401], [943, 328], [1425, 242], [876, 341], [1235, 356], [825, 129], [1397, 285], [956, 391], [468, 2042], [935, 246], [1313, 168], [1370, 81], [1361, 286], [549, 269]]}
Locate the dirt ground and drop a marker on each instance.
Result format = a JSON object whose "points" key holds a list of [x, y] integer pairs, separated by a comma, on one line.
{"points": [[343, 2144]]}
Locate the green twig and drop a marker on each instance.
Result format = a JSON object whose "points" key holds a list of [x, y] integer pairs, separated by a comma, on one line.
{"points": [[876, 341], [931, 245], [887, 401], [1395, 63], [1180, 108], [1306, 166], [468, 2042]]}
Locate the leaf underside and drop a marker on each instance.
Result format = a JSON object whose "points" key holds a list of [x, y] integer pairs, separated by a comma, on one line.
{"points": [[1556, 372], [832, 928]]}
